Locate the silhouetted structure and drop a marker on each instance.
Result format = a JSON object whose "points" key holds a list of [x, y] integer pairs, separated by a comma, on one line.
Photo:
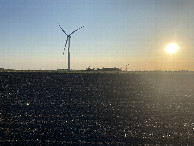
{"points": [[62, 69], [90, 69], [109, 69]]}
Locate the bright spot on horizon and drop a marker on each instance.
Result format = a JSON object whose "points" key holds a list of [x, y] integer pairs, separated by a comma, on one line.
{"points": [[172, 48], [27, 104]]}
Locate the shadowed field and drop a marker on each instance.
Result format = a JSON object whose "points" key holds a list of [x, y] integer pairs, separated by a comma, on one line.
{"points": [[82, 108]]}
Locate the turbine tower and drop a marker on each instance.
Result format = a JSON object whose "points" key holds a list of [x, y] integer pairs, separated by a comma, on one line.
{"points": [[68, 41]]}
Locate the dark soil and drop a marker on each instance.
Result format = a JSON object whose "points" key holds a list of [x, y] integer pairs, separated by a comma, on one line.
{"points": [[116, 109]]}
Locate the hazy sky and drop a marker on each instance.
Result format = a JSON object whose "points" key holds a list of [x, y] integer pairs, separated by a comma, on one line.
{"points": [[116, 33]]}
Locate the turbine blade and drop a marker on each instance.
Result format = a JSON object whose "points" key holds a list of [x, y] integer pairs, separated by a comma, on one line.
{"points": [[66, 42], [62, 29], [76, 30]]}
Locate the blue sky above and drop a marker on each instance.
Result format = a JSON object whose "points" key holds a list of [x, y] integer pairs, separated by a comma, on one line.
{"points": [[116, 33]]}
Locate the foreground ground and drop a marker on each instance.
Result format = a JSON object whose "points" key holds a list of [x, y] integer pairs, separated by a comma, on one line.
{"points": [[55, 108]]}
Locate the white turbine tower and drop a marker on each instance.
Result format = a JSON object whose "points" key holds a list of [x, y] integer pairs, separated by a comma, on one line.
{"points": [[68, 41]]}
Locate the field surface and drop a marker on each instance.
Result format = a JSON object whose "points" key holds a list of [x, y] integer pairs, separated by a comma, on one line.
{"points": [[80, 108]]}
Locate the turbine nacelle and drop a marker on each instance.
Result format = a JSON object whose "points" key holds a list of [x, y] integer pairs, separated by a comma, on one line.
{"points": [[68, 36]]}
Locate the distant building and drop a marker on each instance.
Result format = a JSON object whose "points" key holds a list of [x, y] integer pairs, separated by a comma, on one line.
{"points": [[183, 70], [62, 69], [103, 69], [90, 69], [109, 69]]}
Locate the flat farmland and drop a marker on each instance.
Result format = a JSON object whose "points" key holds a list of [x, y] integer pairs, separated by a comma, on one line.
{"points": [[91, 108]]}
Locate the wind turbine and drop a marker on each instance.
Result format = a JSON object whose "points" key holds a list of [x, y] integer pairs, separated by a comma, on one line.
{"points": [[68, 41]]}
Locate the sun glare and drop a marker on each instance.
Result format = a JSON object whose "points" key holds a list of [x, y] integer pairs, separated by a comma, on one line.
{"points": [[172, 48]]}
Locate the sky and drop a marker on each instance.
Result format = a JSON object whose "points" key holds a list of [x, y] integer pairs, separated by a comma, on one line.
{"points": [[116, 33]]}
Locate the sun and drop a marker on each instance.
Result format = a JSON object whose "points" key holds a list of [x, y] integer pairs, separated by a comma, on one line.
{"points": [[172, 48]]}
